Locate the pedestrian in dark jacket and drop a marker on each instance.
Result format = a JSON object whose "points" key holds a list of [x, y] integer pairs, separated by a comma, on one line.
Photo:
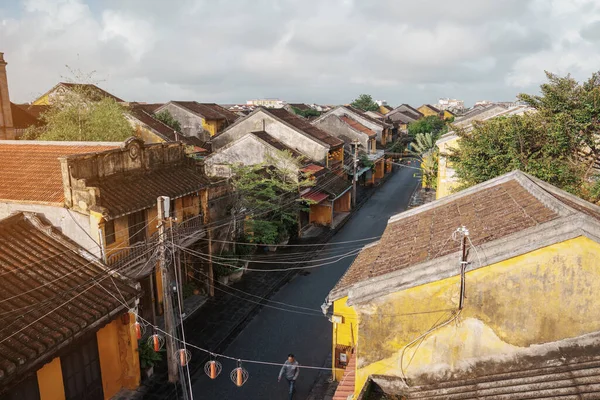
{"points": [[290, 370]]}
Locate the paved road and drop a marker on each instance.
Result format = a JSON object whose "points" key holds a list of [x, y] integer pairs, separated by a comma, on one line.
{"points": [[272, 334]]}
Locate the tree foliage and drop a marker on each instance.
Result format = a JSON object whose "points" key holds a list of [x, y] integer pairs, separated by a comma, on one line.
{"points": [[558, 143], [166, 118], [269, 194], [365, 102], [423, 143], [430, 124], [82, 115], [311, 112]]}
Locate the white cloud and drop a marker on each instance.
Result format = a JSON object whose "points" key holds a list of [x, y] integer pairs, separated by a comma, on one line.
{"points": [[311, 50]]}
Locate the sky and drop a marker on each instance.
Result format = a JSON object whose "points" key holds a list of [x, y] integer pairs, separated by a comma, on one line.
{"points": [[312, 51]]}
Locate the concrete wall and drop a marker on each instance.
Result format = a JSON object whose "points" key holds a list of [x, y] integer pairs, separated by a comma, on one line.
{"points": [[261, 121], [191, 124], [333, 125], [489, 112], [523, 304], [71, 223], [339, 111]]}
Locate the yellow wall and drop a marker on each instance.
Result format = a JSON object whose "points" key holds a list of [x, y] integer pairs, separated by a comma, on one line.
{"points": [[110, 361], [147, 135], [537, 298], [446, 181], [343, 204], [426, 111], [346, 333], [44, 101], [447, 114], [379, 169], [211, 126], [320, 214], [50, 381]]}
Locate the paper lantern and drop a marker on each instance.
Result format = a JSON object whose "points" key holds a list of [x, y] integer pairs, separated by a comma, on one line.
{"points": [[213, 369]]}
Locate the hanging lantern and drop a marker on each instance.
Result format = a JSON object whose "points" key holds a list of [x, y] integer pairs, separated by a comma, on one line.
{"points": [[156, 341], [239, 375], [213, 369], [140, 329], [184, 357]]}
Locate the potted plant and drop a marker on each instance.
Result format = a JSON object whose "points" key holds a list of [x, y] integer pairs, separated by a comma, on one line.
{"points": [[148, 358]]}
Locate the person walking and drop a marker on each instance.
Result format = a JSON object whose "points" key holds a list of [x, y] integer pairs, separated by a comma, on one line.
{"points": [[290, 370]]}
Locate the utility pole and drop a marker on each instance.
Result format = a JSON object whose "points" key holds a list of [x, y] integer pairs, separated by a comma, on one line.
{"points": [[163, 203], [354, 177], [464, 232]]}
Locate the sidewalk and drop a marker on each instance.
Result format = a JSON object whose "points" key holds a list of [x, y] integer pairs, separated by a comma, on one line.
{"points": [[221, 318]]}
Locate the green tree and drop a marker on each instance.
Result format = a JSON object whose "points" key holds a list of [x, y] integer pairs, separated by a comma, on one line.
{"points": [[423, 143], [558, 143], [166, 118], [501, 145], [365, 102], [430, 124], [82, 115], [306, 113], [269, 194]]}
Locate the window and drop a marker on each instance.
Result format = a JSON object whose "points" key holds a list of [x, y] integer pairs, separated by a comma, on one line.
{"points": [[137, 227], [109, 232], [173, 212], [82, 377]]}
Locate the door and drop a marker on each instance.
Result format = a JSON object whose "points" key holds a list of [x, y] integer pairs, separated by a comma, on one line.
{"points": [[137, 227], [81, 372]]}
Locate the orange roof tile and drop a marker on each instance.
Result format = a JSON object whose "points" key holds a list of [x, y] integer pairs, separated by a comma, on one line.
{"points": [[30, 170], [358, 126]]}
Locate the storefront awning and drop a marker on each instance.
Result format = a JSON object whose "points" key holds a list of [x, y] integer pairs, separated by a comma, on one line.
{"points": [[315, 196]]}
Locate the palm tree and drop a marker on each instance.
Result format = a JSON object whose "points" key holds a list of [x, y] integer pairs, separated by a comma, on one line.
{"points": [[423, 143]]}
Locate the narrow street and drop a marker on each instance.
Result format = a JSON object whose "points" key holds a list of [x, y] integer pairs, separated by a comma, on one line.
{"points": [[272, 334]]}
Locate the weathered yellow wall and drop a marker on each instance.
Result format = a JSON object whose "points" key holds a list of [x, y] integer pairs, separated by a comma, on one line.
{"points": [[320, 214], [110, 361], [343, 204], [211, 126], [447, 114], [446, 182], [383, 110], [147, 135], [379, 169], [346, 333], [128, 353], [50, 381], [121, 236], [44, 101], [426, 111], [540, 297]]}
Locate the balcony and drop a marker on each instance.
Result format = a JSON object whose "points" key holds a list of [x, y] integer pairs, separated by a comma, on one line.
{"points": [[139, 260]]}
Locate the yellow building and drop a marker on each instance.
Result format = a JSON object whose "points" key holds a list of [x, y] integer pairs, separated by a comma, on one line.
{"points": [[68, 333], [428, 110], [384, 109], [58, 92], [446, 179], [529, 325]]}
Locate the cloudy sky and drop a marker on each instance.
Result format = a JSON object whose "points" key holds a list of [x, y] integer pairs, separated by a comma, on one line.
{"points": [[323, 51]]}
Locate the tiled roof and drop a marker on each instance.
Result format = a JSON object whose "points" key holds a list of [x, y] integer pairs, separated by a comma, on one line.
{"points": [[358, 126], [491, 211], [435, 109], [21, 118], [264, 136], [46, 299], [93, 88], [150, 107], [312, 169], [332, 184], [346, 385], [300, 106], [366, 116], [30, 170], [403, 116], [210, 111], [572, 371], [304, 126], [34, 110], [122, 194], [407, 109]]}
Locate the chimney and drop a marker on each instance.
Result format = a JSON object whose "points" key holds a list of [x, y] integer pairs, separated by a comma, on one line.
{"points": [[7, 130]]}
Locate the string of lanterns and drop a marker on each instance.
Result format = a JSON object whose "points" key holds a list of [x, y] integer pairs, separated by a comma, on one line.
{"points": [[213, 368]]}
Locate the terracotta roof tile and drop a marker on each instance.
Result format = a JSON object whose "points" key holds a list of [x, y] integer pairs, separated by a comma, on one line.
{"points": [[366, 116], [210, 111], [31, 172], [142, 188], [490, 213], [358, 126], [305, 126], [264, 136], [40, 266]]}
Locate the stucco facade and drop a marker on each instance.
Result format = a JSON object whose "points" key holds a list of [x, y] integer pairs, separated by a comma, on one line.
{"points": [[374, 126], [191, 124], [447, 181], [333, 125], [260, 120]]}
